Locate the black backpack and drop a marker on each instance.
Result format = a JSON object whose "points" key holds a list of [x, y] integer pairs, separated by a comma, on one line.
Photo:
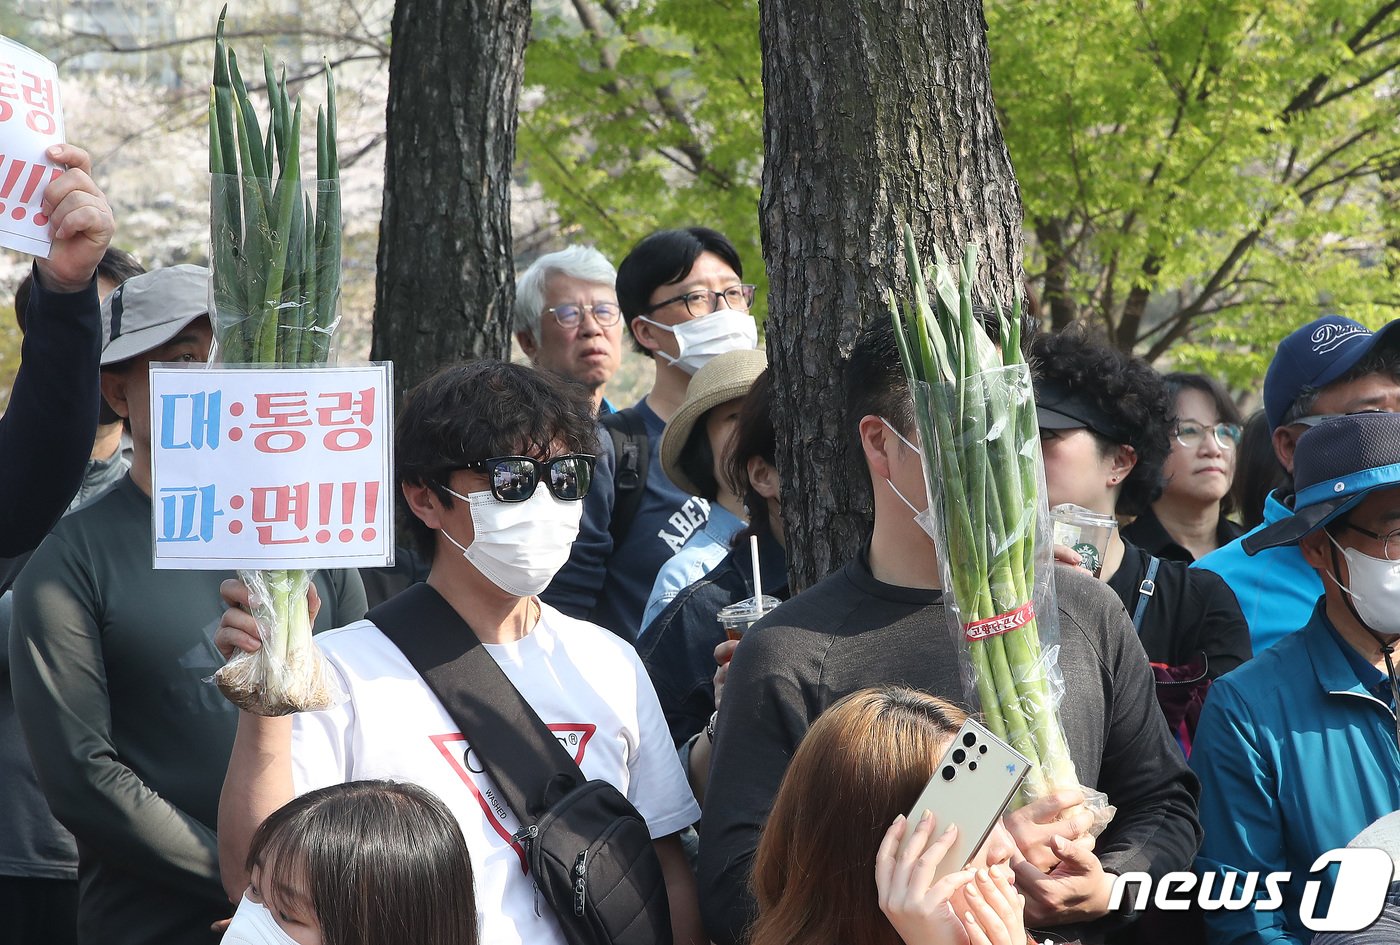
{"points": [[589, 851], [632, 447]]}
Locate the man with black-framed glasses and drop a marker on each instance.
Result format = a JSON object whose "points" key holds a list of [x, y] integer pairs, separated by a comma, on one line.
{"points": [[1331, 366], [1297, 750], [683, 295], [567, 319]]}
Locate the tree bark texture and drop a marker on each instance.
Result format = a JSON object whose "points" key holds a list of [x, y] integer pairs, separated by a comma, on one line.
{"points": [[446, 281], [876, 112]]}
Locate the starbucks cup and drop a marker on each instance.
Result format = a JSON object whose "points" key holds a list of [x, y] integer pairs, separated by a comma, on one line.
{"points": [[738, 617], [1085, 531]]}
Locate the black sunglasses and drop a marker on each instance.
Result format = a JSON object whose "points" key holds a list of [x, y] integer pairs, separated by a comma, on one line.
{"points": [[515, 478]]}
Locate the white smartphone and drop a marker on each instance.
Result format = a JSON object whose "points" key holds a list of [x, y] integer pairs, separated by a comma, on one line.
{"points": [[971, 786]]}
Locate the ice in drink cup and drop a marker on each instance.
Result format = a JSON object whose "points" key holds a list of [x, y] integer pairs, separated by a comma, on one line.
{"points": [[738, 617], [1086, 531]]}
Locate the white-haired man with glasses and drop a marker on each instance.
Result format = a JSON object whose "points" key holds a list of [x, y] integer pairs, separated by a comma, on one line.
{"points": [[683, 295], [567, 319]]}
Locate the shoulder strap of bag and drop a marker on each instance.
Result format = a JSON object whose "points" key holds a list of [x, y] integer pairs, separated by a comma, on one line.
{"points": [[632, 447], [1146, 589], [520, 753]]}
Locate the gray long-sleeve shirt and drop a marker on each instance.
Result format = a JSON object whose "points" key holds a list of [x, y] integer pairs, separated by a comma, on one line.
{"points": [[850, 632], [108, 661]]}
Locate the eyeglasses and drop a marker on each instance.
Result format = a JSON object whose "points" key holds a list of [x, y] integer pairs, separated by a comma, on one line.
{"points": [[705, 302], [1391, 540], [1313, 420], [605, 314], [1190, 434], [515, 478]]}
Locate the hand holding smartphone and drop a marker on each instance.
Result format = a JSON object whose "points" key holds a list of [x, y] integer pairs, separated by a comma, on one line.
{"points": [[973, 783]]}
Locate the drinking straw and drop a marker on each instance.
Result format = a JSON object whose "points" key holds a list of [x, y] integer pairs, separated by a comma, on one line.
{"points": [[757, 581]]}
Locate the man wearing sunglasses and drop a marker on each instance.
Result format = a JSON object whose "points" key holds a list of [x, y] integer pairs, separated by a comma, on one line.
{"points": [[685, 301], [1329, 367], [1296, 750], [493, 461], [567, 319]]}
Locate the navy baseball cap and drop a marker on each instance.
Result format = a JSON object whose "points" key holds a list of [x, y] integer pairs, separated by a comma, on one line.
{"points": [[1337, 464], [1315, 356]]}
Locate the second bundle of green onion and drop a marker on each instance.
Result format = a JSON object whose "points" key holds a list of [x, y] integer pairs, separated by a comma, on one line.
{"points": [[980, 442]]}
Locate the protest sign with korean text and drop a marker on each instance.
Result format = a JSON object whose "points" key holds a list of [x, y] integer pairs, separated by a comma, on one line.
{"points": [[272, 468], [31, 121]]}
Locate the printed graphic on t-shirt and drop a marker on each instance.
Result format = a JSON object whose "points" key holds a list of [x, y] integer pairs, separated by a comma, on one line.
{"points": [[686, 521], [573, 736]]}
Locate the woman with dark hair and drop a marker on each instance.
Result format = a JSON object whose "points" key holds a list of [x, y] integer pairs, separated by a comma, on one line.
{"points": [[678, 649], [1257, 471], [360, 863], [838, 820], [1105, 426], [1189, 519]]}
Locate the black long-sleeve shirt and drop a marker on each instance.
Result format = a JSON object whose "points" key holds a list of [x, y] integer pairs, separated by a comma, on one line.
{"points": [[850, 632], [47, 430]]}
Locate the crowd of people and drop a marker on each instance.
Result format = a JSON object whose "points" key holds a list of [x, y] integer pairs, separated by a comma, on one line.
{"points": [[1228, 664]]}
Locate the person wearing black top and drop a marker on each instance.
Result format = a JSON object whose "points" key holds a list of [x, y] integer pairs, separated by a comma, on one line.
{"points": [[1105, 418], [880, 620], [1188, 520]]}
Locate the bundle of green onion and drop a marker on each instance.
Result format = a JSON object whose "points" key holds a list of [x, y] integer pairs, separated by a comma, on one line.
{"points": [[980, 443], [275, 259]]}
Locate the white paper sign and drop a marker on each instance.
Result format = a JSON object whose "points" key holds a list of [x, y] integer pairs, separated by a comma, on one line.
{"points": [[271, 468], [31, 121]]}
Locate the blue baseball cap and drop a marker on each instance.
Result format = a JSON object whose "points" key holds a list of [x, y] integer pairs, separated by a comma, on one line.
{"points": [[1315, 356], [1336, 464]]}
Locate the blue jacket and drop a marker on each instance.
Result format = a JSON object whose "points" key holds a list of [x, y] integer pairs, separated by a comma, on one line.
{"points": [[1295, 758], [705, 550], [1276, 588]]}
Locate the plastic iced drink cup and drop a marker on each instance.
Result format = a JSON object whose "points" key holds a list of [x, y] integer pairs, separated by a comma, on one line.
{"points": [[1085, 531], [738, 617]]}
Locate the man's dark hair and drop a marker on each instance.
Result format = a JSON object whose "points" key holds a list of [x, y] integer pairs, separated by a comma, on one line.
{"points": [[875, 385], [470, 412], [117, 266], [1123, 387], [662, 258], [1379, 360]]}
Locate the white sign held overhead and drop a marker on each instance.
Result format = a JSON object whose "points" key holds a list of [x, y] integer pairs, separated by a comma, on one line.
{"points": [[31, 121]]}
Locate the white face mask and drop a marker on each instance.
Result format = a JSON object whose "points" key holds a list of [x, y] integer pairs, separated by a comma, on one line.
{"points": [[699, 340], [1374, 589], [253, 924], [520, 546], [923, 519]]}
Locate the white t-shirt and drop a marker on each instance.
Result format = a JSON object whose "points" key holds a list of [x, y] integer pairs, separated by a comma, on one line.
{"points": [[585, 683]]}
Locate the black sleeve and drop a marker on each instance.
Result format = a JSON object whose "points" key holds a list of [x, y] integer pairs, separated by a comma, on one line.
{"points": [[1222, 634], [762, 719], [1144, 772], [46, 433]]}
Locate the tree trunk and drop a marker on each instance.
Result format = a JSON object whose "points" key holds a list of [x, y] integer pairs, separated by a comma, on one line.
{"points": [[876, 112], [1050, 234], [446, 282]]}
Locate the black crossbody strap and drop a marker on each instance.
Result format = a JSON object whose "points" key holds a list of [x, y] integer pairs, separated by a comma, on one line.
{"points": [[520, 753]]}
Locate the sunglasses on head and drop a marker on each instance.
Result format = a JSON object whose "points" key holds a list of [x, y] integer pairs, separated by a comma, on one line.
{"points": [[515, 478]]}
